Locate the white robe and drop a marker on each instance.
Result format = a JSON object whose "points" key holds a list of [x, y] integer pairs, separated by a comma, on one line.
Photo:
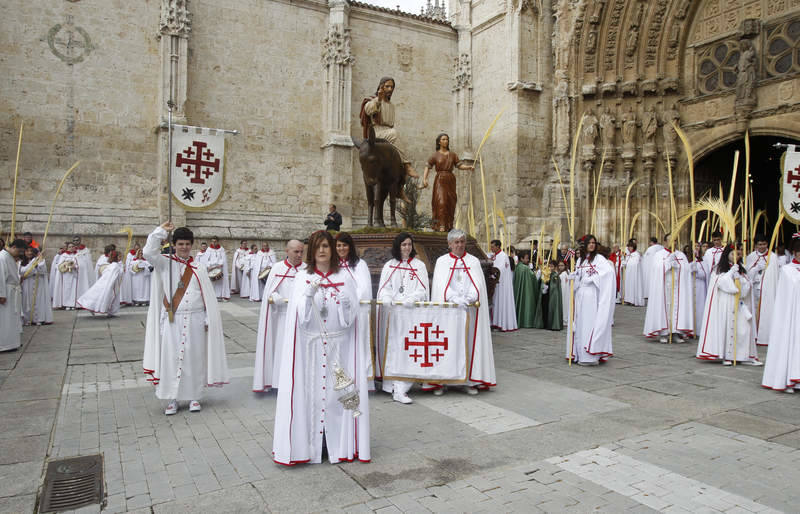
{"points": [[104, 295], [765, 285], [460, 280], [271, 340], [504, 312], [363, 281], [36, 283], [632, 279], [782, 369], [202, 257], [244, 292], [85, 276], [65, 289], [710, 261], [564, 277], [259, 262], [140, 281], [412, 277], [11, 310], [595, 299], [218, 259], [54, 271], [101, 261], [647, 264], [716, 338], [700, 287], [671, 304], [237, 264], [321, 334], [125, 292], [182, 357]]}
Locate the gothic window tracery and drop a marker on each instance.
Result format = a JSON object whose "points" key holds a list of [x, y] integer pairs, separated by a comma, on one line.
{"points": [[782, 52], [716, 68]]}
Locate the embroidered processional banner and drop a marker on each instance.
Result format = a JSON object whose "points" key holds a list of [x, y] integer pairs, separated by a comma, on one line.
{"points": [[790, 184], [426, 344], [197, 167]]}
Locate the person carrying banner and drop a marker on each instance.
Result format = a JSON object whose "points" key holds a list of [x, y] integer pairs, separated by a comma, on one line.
{"points": [[404, 280]]}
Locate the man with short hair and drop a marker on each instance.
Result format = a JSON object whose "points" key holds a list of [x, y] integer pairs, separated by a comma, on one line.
{"points": [[670, 312], [712, 255], [103, 261], [184, 348], [381, 116], [333, 221], [649, 262], [84, 269], [238, 265], [504, 314], [28, 238], [270, 340], [10, 296], [218, 260], [265, 258], [765, 284]]}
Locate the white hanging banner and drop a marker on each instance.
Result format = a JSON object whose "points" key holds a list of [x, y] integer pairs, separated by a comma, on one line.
{"points": [[426, 344], [197, 166]]}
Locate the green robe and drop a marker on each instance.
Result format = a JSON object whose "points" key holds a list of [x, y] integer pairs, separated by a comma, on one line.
{"points": [[524, 298], [555, 307], [538, 314]]}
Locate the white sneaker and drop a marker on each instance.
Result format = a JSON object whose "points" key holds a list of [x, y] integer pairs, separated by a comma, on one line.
{"points": [[727, 363], [194, 406], [402, 398], [439, 391], [663, 340], [753, 363], [590, 363], [789, 390], [172, 408], [472, 391]]}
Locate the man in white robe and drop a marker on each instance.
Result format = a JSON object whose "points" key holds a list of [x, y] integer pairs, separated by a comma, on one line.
{"points": [[54, 267], [632, 279], [183, 353], [265, 258], [37, 307], [647, 264], [65, 289], [85, 275], [104, 295], [504, 312], [237, 266], [458, 278], [765, 284], [102, 261], [782, 369], [272, 320], [711, 257], [126, 284], [670, 306], [248, 264], [202, 254], [217, 259], [10, 296]]}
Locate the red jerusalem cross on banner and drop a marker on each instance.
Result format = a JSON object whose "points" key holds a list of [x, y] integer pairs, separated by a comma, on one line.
{"points": [[790, 184], [198, 161], [425, 343]]}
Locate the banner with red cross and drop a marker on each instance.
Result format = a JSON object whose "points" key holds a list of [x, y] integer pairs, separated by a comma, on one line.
{"points": [[426, 344], [197, 167], [790, 184]]}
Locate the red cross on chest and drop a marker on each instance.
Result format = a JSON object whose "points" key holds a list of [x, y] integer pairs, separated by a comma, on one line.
{"points": [[430, 339]]}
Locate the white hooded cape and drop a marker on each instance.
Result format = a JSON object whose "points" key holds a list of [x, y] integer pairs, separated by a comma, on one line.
{"points": [[595, 299], [504, 312], [716, 338], [632, 279], [671, 301], [104, 295]]}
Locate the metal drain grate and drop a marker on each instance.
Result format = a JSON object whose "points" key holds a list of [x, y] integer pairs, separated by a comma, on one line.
{"points": [[72, 483]]}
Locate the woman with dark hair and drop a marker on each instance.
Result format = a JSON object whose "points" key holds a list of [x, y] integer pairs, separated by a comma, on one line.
{"points": [[33, 274], [104, 296], [589, 341], [404, 280], [444, 198], [632, 279], [322, 389], [728, 329]]}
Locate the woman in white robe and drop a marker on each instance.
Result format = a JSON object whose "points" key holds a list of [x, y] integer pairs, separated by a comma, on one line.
{"points": [[782, 369], [104, 295], [589, 341], [33, 275], [126, 285], [670, 306], [728, 330], [404, 279], [247, 264], [563, 275], [633, 279], [11, 295], [323, 349], [140, 280], [65, 289], [237, 265]]}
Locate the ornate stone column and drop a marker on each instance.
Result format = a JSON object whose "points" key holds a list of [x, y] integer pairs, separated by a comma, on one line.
{"points": [[175, 25], [337, 63]]}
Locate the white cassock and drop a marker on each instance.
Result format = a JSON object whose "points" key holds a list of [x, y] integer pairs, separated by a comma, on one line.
{"points": [[259, 262], [784, 258], [181, 356], [504, 313], [700, 287], [125, 293], [101, 261], [36, 284], [633, 281], [460, 280], [671, 304], [765, 284], [237, 265], [564, 277], [321, 338], [218, 259], [405, 282], [363, 280], [54, 271], [202, 257], [710, 261], [270, 340], [595, 299], [782, 369], [65, 289], [140, 280], [11, 310], [247, 263], [85, 275], [647, 264], [104, 296], [716, 338]]}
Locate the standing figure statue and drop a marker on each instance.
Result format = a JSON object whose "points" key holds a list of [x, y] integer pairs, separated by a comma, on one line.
{"points": [[746, 68], [443, 201]]}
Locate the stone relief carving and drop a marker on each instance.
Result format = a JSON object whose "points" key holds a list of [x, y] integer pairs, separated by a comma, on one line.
{"points": [[404, 56], [68, 42], [612, 34], [628, 139], [669, 117], [336, 46], [746, 79], [649, 128], [561, 132], [654, 32], [176, 20], [608, 128], [683, 9], [674, 40], [462, 76], [597, 13], [588, 138]]}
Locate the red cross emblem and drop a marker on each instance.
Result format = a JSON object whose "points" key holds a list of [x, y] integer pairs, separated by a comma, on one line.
{"points": [[426, 343], [791, 176], [194, 159]]}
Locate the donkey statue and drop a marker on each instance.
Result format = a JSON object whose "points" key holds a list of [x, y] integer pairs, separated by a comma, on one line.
{"points": [[384, 175]]}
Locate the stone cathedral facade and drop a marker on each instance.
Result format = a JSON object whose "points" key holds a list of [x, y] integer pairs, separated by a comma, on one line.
{"points": [[90, 80]]}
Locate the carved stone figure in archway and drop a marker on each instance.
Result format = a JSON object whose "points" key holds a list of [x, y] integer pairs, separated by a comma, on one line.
{"points": [[746, 78]]}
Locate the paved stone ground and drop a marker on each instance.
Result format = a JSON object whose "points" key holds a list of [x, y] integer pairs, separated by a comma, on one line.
{"points": [[652, 430]]}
